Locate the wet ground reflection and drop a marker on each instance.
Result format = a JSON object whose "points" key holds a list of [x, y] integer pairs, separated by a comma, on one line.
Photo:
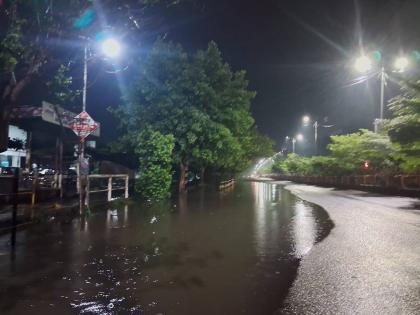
{"points": [[206, 253]]}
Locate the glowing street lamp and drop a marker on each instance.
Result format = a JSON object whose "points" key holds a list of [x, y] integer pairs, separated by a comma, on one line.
{"points": [[363, 64], [401, 64], [306, 120], [111, 48]]}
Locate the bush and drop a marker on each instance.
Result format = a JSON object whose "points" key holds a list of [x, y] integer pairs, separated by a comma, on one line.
{"points": [[293, 164], [155, 173], [325, 166], [348, 153]]}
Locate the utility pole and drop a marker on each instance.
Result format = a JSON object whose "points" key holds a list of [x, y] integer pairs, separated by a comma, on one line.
{"points": [[383, 83], [82, 140], [316, 125], [378, 123]]}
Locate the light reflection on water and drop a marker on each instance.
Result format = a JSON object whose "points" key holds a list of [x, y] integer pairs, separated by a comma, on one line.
{"points": [[205, 253], [267, 198], [304, 229]]}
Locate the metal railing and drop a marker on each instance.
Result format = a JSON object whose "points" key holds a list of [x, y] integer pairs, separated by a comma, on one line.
{"points": [[110, 185], [227, 184], [408, 183]]}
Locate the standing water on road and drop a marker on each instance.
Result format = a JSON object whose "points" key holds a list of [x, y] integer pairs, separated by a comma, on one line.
{"points": [[233, 252]]}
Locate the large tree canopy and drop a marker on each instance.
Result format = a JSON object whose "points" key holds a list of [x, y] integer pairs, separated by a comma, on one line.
{"points": [[200, 101]]}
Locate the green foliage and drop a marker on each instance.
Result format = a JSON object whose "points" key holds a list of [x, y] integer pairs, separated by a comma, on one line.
{"points": [[155, 156], [325, 166], [61, 88], [293, 164], [200, 101], [404, 128], [12, 46], [352, 150], [348, 153]]}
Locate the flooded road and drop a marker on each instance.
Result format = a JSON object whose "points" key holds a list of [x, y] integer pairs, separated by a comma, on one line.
{"points": [[233, 252]]}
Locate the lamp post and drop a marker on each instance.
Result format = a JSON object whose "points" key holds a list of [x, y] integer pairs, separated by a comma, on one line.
{"points": [[306, 121], [364, 65], [111, 48]]}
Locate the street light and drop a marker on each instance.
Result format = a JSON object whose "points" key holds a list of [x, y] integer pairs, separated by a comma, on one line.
{"points": [[111, 48], [363, 64], [306, 120], [401, 64]]}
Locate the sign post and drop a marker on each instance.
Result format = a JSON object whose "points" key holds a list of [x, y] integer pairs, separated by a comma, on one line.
{"points": [[83, 125]]}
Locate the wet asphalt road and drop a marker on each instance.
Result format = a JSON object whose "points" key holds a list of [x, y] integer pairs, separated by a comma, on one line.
{"points": [[370, 262]]}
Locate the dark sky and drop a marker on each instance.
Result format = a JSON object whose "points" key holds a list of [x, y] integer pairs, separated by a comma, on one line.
{"points": [[298, 54]]}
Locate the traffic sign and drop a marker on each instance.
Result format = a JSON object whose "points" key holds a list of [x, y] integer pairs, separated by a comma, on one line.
{"points": [[83, 125]]}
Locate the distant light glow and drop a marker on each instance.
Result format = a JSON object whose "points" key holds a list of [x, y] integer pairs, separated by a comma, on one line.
{"points": [[363, 64], [401, 64], [299, 137], [111, 48], [306, 119]]}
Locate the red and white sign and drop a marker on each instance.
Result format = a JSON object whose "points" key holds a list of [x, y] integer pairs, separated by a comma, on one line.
{"points": [[83, 125]]}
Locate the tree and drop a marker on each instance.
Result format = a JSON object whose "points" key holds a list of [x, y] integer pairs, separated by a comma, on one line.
{"points": [[61, 90], [352, 150], [404, 128], [199, 100], [293, 164], [348, 155], [26, 50], [325, 166], [154, 151]]}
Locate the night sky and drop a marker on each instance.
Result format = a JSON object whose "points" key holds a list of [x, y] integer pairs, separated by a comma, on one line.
{"points": [[298, 55]]}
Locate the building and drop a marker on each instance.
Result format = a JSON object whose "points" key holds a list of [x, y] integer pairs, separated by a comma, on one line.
{"points": [[15, 157]]}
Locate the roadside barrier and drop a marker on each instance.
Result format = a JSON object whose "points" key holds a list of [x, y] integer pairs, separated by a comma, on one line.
{"points": [[392, 183], [227, 184], [110, 185]]}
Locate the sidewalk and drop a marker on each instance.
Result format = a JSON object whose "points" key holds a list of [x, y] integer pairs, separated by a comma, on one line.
{"points": [[27, 214]]}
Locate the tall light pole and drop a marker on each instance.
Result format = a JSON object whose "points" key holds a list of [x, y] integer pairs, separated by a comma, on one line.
{"points": [[364, 65], [110, 48], [306, 121]]}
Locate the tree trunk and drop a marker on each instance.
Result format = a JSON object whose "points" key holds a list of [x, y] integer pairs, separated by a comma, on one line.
{"points": [[202, 176], [183, 168]]}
